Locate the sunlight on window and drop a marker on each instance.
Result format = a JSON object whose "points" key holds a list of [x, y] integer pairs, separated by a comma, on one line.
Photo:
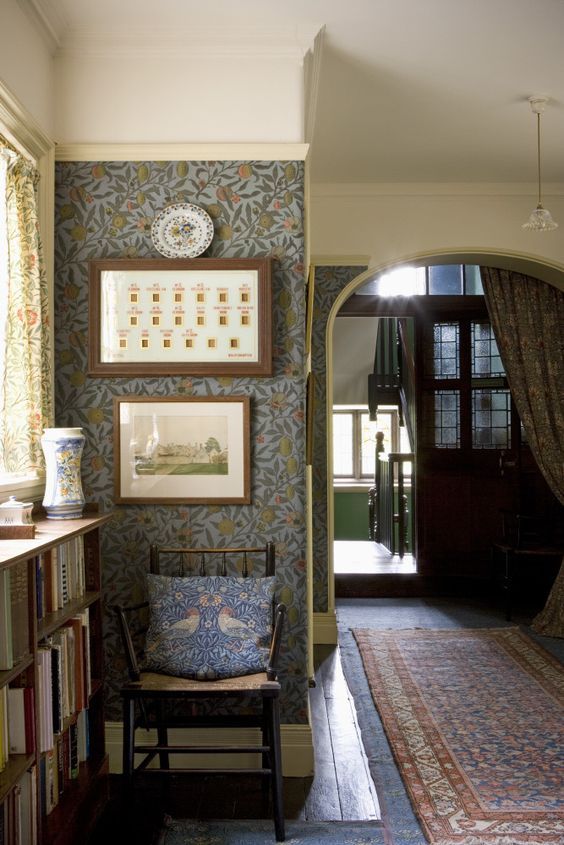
{"points": [[368, 430], [3, 262], [343, 444], [404, 281]]}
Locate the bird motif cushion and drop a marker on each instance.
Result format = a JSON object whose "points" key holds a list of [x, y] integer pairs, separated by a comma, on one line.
{"points": [[208, 628]]}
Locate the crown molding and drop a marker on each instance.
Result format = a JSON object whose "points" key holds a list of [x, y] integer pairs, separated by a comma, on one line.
{"points": [[181, 152], [48, 20], [24, 131], [201, 41], [404, 189]]}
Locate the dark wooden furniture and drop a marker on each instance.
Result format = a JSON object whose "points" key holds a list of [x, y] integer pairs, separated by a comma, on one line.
{"points": [[528, 543], [81, 796], [162, 702]]}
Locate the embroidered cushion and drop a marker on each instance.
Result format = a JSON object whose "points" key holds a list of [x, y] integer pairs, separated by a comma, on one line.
{"points": [[208, 628]]}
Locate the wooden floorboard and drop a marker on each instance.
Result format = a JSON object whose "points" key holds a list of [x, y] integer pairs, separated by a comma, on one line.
{"points": [[322, 803], [355, 787]]}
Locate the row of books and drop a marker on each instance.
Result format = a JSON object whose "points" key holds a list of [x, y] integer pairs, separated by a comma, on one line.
{"points": [[14, 614], [18, 813], [60, 765], [60, 576], [64, 677], [64, 686], [63, 689]]}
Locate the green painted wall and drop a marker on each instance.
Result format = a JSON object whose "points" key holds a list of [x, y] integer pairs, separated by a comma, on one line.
{"points": [[351, 515]]}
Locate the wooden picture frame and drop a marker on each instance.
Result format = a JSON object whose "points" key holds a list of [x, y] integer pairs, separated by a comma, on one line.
{"points": [[182, 450], [163, 316]]}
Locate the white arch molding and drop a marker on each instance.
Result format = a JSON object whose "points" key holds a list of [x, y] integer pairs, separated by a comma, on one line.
{"points": [[325, 623]]}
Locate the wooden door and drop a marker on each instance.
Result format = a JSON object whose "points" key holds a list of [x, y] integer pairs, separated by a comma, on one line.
{"points": [[468, 439]]}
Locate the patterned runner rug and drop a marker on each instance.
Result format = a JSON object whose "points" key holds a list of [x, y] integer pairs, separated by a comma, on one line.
{"points": [[475, 721]]}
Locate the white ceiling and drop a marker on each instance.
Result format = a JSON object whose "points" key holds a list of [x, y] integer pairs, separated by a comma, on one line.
{"points": [[409, 90]]}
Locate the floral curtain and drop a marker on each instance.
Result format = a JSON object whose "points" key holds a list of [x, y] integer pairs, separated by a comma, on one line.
{"points": [[25, 367], [528, 320]]}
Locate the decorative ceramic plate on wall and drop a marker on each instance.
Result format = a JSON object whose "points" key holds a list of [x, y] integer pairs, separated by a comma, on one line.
{"points": [[182, 230]]}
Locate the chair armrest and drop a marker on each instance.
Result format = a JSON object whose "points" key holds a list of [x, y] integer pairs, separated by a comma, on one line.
{"points": [[279, 617], [126, 638]]}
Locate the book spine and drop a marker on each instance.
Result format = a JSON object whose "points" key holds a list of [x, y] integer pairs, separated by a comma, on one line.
{"points": [[73, 759], [61, 775], [16, 721], [6, 650], [19, 610], [3, 728], [29, 711], [56, 688], [39, 585]]}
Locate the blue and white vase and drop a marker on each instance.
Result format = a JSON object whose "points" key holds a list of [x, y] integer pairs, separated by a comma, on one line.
{"points": [[62, 448]]}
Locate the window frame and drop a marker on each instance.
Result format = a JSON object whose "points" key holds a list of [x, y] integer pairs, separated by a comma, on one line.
{"points": [[357, 412], [21, 130], [465, 384]]}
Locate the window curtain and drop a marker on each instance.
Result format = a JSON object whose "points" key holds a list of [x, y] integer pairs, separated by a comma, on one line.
{"points": [[528, 320], [25, 367]]}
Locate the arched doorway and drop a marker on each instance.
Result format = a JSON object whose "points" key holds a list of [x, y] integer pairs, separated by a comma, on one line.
{"points": [[325, 609]]}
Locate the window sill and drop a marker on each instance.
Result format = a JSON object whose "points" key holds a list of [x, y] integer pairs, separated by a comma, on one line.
{"points": [[352, 486], [25, 489]]}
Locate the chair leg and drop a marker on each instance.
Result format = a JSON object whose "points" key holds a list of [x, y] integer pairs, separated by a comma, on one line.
{"points": [[266, 757], [128, 741], [162, 739], [273, 714]]}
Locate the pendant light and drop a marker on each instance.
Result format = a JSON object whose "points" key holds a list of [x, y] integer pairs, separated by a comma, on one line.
{"points": [[540, 220]]}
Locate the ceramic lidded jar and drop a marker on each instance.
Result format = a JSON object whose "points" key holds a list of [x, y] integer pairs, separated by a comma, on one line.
{"points": [[13, 512], [62, 448]]}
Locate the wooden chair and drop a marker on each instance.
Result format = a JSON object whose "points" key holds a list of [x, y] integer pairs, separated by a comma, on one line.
{"points": [[526, 538], [158, 701]]}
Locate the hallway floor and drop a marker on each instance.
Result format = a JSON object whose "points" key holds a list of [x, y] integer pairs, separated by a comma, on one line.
{"points": [[364, 557], [354, 779]]}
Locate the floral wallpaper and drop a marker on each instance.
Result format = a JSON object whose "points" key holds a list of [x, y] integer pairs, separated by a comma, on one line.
{"points": [[105, 210], [328, 283]]}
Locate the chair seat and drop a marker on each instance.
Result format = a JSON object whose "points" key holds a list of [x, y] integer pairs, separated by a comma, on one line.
{"points": [[152, 681]]}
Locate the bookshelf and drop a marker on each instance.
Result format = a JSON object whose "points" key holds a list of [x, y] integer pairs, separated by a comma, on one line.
{"points": [[53, 764]]}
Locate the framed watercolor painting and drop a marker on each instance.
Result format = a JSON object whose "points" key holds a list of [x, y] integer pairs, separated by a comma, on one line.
{"points": [[175, 449], [162, 316]]}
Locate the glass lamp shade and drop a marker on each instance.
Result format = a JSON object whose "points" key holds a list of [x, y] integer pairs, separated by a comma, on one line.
{"points": [[540, 220]]}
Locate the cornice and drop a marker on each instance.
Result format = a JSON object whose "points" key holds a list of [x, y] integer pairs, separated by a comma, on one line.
{"points": [[201, 40], [181, 152], [205, 42], [21, 126], [48, 20]]}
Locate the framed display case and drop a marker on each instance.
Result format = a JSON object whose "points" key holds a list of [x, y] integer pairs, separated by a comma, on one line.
{"points": [[162, 316]]}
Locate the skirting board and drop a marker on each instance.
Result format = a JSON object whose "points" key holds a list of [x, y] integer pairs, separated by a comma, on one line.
{"points": [[297, 747], [325, 628]]}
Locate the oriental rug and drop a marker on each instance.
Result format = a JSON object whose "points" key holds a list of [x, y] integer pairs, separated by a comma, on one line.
{"points": [[475, 722], [261, 832]]}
